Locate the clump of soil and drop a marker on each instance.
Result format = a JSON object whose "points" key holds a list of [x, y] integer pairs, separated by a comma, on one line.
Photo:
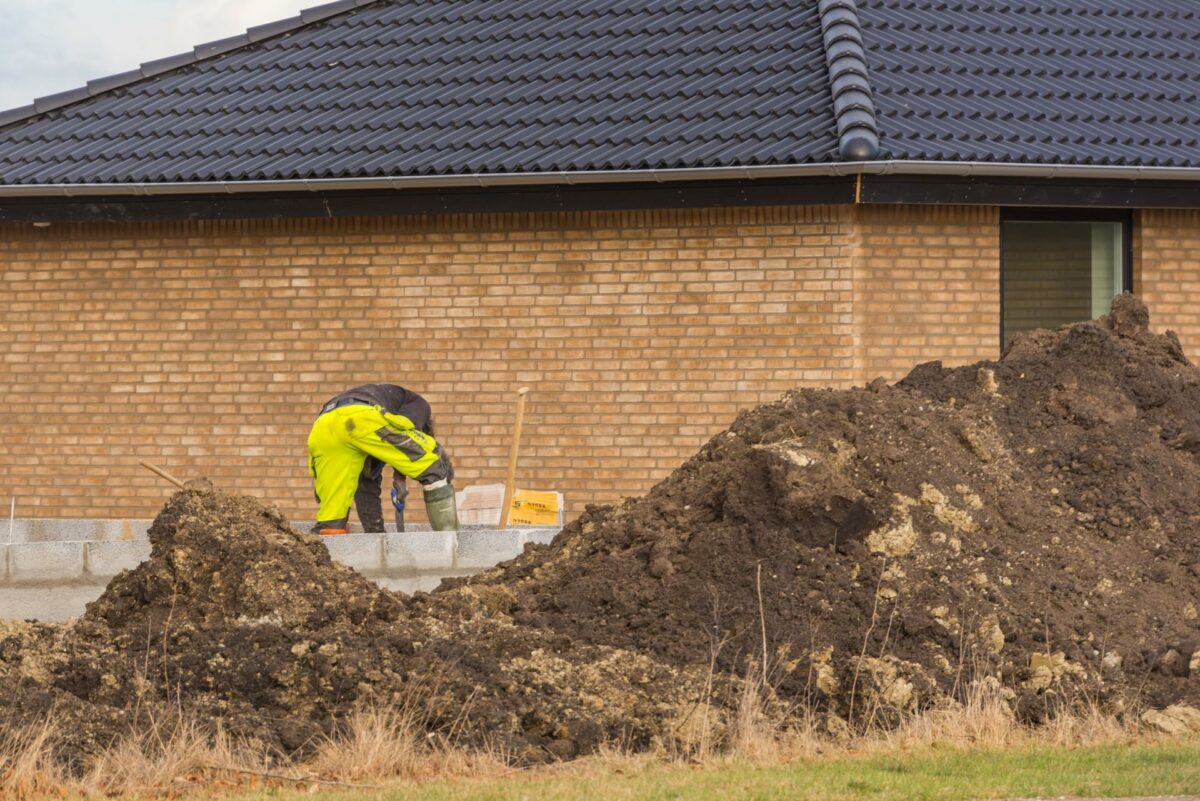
{"points": [[1031, 522]]}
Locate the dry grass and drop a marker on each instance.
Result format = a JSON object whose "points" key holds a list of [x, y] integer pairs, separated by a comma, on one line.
{"points": [[753, 734], [376, 746], [382, 744], [27, 765], [984, 721], [167, 758], [372, 744]]}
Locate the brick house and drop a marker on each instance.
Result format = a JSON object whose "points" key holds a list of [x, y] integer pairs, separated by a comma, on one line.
{"points": [[652, 214]]}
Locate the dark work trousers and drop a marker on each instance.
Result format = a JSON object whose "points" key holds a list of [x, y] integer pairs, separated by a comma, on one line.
{"points": [[366, 497]]}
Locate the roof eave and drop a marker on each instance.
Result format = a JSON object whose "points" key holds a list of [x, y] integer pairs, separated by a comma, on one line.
{"points": [[475, 180], [964, 169]]}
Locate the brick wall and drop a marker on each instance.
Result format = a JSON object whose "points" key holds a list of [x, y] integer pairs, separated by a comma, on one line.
{"points": [[206, 347], [926, 286], [1167, 272]]}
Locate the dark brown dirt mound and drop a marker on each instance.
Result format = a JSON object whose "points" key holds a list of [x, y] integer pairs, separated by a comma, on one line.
{"points": [[240, 619], [217, 618], [1036, 518], [1030, 522]]}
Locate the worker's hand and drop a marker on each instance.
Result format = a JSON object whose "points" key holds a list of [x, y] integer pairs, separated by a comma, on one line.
{"points": [[398, 499]]}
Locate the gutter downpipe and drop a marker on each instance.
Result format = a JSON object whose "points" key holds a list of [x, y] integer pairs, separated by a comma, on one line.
{"points": [[964, 169]]}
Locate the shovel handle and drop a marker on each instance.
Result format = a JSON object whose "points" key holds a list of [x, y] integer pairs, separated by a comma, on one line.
{"points": [[513, 450], [153, 468]]}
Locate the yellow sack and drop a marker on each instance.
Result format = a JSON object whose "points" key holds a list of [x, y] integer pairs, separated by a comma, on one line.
{"points": [[533, 508]]}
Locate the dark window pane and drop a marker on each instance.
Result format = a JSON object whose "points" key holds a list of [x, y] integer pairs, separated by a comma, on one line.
{"points": [[1057, 273]]}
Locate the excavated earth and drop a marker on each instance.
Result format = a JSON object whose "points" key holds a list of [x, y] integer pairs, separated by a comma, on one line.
{"points": [[1032, 524]]}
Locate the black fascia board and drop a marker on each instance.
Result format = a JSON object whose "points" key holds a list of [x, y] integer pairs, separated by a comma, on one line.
{"points": [[886, 190], [1040, 192], [380, 203]]}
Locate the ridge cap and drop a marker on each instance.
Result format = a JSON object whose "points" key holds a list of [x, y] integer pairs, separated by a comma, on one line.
{"points": [[849, 80]]}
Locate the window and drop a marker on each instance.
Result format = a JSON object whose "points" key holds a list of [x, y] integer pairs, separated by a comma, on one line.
{"points": [[1060, 267]]}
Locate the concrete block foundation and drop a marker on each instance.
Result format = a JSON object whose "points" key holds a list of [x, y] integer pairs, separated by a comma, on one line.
{"points": [[31, 562], [107, 559], [363, 552], [479, 549], [51, 569], [419, 550]]}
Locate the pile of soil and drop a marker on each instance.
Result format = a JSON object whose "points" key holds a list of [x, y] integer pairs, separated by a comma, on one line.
{"points": [[1031, 522], [1034, 519], [238, 619]]}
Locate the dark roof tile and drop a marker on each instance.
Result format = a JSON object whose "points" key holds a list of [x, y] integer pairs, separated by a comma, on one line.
{"points": [[454, 86], [1060, 81], [365, 88]]}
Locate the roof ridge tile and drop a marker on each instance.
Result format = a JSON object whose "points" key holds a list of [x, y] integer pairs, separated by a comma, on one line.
{"points": [[849, 80]]}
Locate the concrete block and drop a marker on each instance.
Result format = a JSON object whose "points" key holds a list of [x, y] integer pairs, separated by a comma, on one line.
{"points": [[419, 550], [122, 530], [106, 559], [37, 603], [410, 584], [16, 530], [541, 536], [481, 549], [355, 526], [391, 527], [64, 529], [45, 561], [359, 551]]}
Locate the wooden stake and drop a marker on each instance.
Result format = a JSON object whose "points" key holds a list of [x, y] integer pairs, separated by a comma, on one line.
{"points": [[163, 474], [509, 485]]}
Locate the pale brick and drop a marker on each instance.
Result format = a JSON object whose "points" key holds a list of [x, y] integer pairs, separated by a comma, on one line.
{"points": [[208, 346], [1166, 275]]}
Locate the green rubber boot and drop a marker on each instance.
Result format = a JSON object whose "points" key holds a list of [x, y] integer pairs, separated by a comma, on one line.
{"points": [[440, 507]]}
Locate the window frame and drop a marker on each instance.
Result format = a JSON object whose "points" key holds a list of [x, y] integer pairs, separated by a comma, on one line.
{"points": [[1034, 214]]}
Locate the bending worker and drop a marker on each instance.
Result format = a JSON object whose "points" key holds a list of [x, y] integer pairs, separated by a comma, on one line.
{"points": [[356, 434]]}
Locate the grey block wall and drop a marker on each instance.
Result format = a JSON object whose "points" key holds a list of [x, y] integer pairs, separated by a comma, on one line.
{"points": [[47, 576], [107, 559], [68, 529]]}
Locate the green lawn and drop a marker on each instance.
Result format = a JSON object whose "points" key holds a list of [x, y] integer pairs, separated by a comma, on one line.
{"points": [[1112, 771]]}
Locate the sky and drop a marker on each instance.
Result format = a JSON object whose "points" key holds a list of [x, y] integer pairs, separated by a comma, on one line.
{"points": [[49, 46]]}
